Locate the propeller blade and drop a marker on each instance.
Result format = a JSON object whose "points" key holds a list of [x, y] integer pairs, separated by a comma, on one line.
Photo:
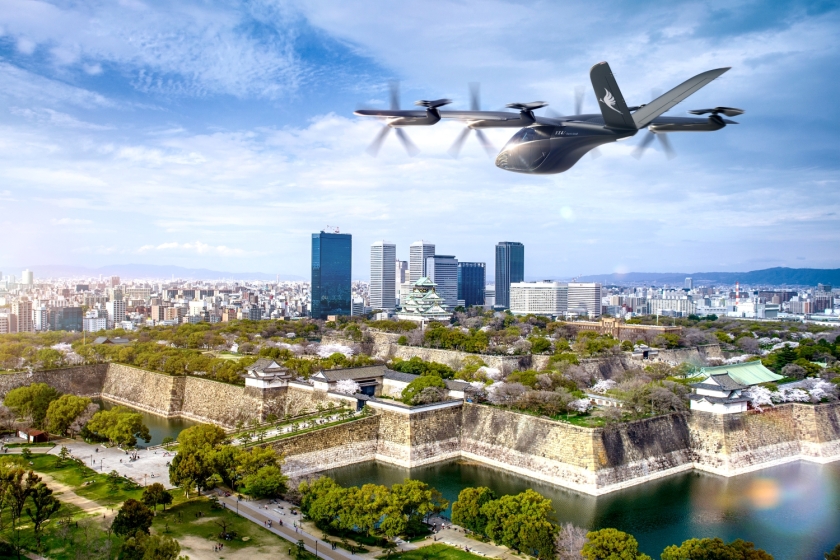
{"points": [[475, 96], [455, 150], [375, 146], [488, 147], [409, 146], [579, 91], [643, 145], [666, 145], [395, 95], [552, 114]]}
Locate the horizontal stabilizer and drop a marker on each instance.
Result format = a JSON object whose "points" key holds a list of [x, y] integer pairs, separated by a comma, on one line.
{"points": [[666, 101]]}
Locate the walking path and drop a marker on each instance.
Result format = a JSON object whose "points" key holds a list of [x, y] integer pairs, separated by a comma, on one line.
{"points": [[150, 466]]}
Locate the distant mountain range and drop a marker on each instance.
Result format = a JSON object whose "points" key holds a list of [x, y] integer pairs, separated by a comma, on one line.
{"points": [[779, 276], [152, 271]]}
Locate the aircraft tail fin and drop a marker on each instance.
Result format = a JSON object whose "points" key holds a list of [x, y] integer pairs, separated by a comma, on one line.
{"points": [[613, 108], [664, 102]]}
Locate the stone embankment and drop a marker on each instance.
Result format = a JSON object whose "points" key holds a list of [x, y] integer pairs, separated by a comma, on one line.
{"points": [[385, 347], [594, 461]]}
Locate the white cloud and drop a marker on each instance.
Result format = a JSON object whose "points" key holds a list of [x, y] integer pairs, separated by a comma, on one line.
{"points": [[196, 247], [70, 222]]}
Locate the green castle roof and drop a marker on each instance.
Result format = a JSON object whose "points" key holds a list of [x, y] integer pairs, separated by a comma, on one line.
{"points": [[747, 373]]}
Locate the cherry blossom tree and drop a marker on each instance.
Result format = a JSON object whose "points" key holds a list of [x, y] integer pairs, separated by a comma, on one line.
{"points": [[347, 386]]}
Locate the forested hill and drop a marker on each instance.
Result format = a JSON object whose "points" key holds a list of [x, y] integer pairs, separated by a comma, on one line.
{"points": [[779, 276]]}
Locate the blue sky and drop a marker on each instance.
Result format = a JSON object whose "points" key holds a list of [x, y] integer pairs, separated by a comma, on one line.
{"points": [[221, 135]]}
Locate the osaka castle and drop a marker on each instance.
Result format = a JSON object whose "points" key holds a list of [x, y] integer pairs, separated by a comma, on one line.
{"points": [[423, 304]]}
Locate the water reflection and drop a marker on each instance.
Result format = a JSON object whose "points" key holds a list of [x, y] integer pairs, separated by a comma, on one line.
{"points": [[792, 510], [159, 426]]}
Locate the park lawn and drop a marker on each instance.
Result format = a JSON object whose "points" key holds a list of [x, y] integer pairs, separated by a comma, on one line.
{"points": [[436, 551], [75, 475], [179, 521]]}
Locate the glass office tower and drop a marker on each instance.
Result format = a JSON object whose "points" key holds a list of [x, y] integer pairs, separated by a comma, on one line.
{"points": [[471, 281], [331, 261], [510, 268]]}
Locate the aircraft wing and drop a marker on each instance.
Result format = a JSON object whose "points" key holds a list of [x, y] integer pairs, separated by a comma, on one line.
{"points": [[664, 102], [389, 113], [481, 115]]}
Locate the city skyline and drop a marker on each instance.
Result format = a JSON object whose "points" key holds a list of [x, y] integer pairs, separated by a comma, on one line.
{"points": [[224, 148]]}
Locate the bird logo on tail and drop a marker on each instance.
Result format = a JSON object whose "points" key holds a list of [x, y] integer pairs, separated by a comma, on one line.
{"points": [[609, 101]]}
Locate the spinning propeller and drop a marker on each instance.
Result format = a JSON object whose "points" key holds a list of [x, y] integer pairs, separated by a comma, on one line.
{"points": [[475, 105], [648, 138], [580, 91], [409, 146], [728, 111]]}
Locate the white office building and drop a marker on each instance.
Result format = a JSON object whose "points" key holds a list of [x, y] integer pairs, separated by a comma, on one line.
{"points": [[417, 255], [539, 298], [443, 271], [585, 299], [28, 277], [116, 312], [382, 278]]}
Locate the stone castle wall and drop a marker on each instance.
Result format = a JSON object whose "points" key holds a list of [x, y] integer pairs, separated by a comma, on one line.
{"points": [[590, 460], [327, 448], [81, 380]]}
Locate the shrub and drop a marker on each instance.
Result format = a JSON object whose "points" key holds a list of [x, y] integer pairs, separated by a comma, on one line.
{"points": [[416, 387]]}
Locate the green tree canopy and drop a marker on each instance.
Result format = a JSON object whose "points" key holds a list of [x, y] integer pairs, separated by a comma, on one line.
{"points": [[120, 425], [612, 544], [155, 494], [522, 522], [63, 411], [415, 387], [132, 517], [32, 400], [714, 549], [466, 511]]}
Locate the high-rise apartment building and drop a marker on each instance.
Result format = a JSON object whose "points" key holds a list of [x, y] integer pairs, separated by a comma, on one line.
{"points": [[417, 255], [510, 268], [585, 298], [689, 283], [116, 312], [401, 272], [331, 268], [471, 283], [65, 319], [40, 316], [115, 281], [383, 290], [28, 277], [539, 298], [22, 309], [443, 271]]}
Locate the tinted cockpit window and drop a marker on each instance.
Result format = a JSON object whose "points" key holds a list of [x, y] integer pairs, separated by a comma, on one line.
{"points": [[524, 135]]}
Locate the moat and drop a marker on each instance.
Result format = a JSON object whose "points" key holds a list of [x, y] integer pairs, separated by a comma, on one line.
{"points": [[792, 510]]}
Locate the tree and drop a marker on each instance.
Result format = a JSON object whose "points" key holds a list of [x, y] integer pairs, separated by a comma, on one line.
{"points": [[794, 371], [200, 436], [141, 546], [522, 522], [714, 549], [19, 486], [540, 345], [466, 511], [44, 506], [347, 386], [412, 501], [155, 494], [415, 387], [81, 421], [834, 554], [267, 482], [132, 517], [32, 400], [63, 411], [120, 425], [612, 544], [63, 455]]}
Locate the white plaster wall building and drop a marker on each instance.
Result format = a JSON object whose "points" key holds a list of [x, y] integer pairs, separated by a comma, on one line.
{"points": [[539, 298]]}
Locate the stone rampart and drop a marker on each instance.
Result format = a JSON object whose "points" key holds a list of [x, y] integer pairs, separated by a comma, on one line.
{"points": [[327, 448], [80, 380], [153, 392]]}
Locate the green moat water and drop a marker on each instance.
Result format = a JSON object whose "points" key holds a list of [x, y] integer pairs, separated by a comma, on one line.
{"points": [[792, 510], [159, 426]]}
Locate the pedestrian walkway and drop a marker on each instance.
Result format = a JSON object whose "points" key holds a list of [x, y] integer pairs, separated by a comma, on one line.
{"points": [[252, 512], [149, 467]]}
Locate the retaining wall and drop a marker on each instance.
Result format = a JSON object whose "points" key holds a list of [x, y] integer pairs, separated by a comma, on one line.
{"points": [[84, 381]]}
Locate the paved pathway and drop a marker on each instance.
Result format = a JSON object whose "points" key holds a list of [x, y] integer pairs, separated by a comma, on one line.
{"points": [[151, 466]]}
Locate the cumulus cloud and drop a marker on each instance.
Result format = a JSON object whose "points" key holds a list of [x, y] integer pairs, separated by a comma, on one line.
{"points": [[194, 247]]}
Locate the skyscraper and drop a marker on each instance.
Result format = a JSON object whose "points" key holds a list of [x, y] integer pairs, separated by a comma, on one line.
{"points": [[689, 283], [331, 261], [23, 311], [471, 281], [510, 267], [443, 271], [417, 255], [382, 278], [28, 278]]}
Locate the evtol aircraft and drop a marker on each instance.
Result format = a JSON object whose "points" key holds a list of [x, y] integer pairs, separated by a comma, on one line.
{"points": [[546, 145]]}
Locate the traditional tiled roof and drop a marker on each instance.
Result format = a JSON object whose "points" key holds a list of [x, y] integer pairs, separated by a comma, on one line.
{"points": [[717, 400], [265, 367], [726, 382], [331, 375], [747, 373], [451, 384]]}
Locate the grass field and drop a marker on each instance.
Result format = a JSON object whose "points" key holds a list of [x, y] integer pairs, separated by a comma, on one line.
{"points": [[436, 552]]}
